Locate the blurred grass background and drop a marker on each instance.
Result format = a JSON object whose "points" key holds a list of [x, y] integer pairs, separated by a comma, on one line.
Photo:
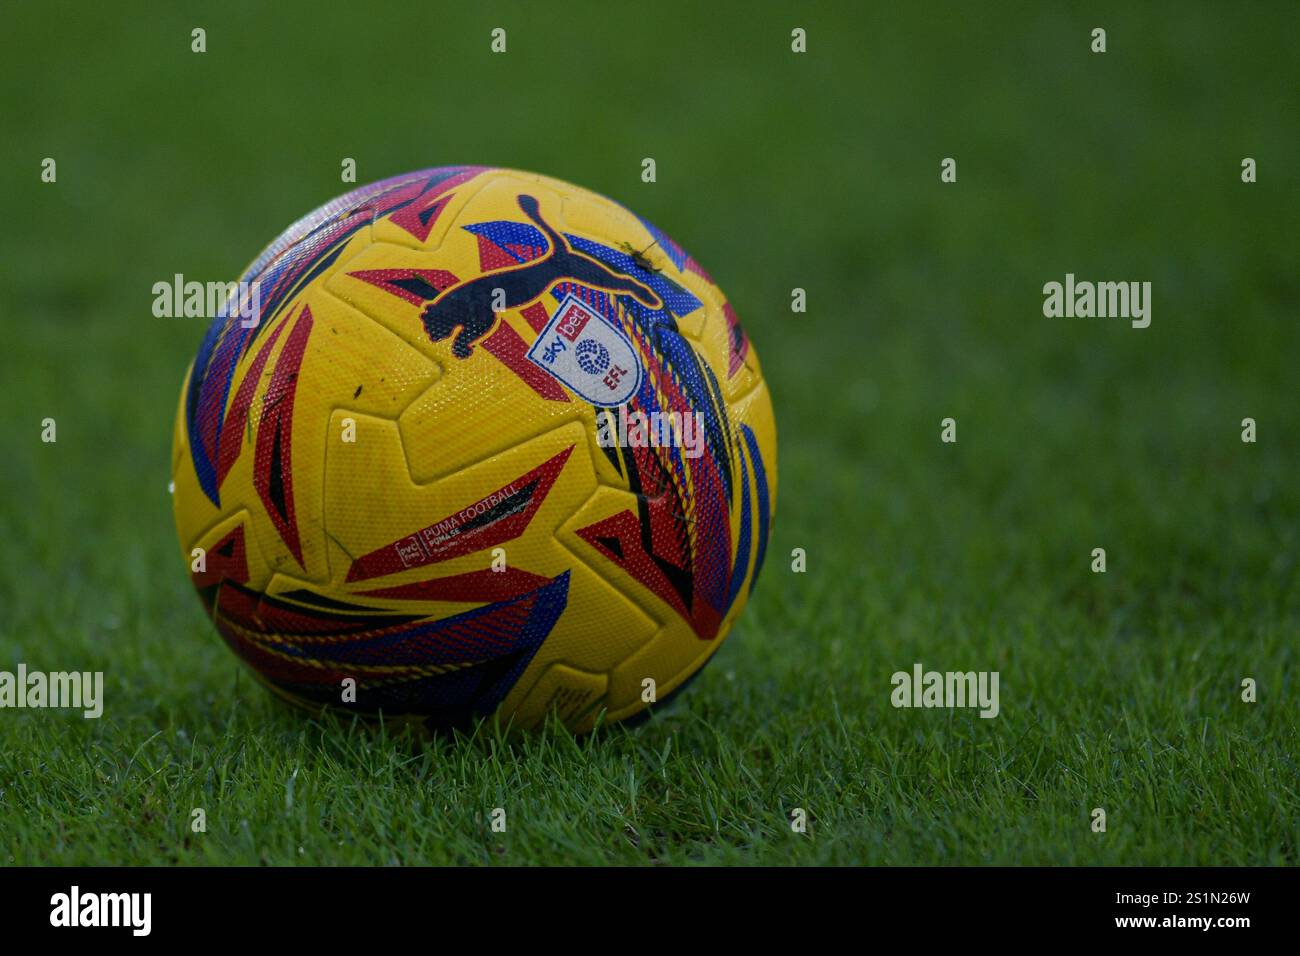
{"points": [[776, 170]]}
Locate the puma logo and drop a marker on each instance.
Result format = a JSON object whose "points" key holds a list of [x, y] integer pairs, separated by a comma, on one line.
{"points": [[468, 306]]}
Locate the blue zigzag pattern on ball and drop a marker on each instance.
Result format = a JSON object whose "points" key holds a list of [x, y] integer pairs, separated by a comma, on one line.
{"points": [[522, 241], [679, 301], [764, 501], [742, 545], [671, 249]]}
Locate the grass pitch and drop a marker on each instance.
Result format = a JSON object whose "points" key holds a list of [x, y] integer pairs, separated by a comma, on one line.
{"points": [[777, 170]]}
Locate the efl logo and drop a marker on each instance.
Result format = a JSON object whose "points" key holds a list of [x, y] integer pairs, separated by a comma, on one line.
{"points": [[588, 354]]}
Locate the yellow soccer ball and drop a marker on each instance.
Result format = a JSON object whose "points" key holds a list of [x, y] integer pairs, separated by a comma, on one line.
{"points": [[474, 441]]}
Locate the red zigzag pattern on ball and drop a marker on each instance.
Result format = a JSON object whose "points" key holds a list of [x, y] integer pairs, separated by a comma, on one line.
{"points": [[273, 462], [501, 516]]}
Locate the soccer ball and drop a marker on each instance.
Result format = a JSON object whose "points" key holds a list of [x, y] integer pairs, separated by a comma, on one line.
{"points": [[489, 444]]}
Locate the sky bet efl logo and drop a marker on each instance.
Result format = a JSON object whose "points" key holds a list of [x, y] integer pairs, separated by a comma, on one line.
{"points": [[588, 354]]}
